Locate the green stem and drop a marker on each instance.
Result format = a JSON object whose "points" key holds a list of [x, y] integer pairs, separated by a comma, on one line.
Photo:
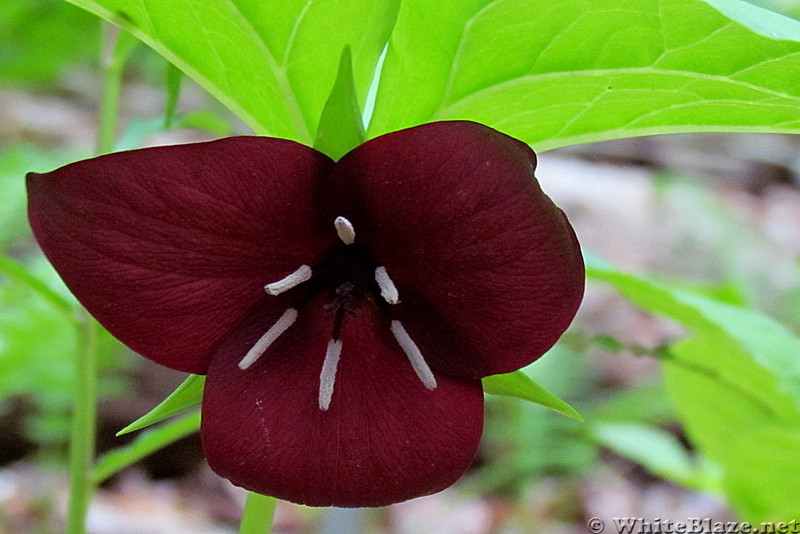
{"points": [[82, 441], [116, 48], [259, 511]]}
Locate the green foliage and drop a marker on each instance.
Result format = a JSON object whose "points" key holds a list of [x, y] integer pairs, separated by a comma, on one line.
{"points": [[19, 272], [735, 383], [551, 75], [145, 444], [657, 450], [570, 72], [15, 161], [790, 8], [174, 79], [37, 313], [760, 481], [37, 347], [39, 37], [31, 328], [274, 66]]}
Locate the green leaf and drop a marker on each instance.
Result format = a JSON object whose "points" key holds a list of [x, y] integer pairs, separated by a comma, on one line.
{"points": [[340, 127], [273, 64], [643, 403], [555, 74], [21, 273], [763, 484], [753, 352], [520, 385], [38, 41], [147, 443], [656, 450], [712, 409], [735, 385], [186, 396], [15, 160], [755, 446], [37, 335], [206, 120], [173, 83]]}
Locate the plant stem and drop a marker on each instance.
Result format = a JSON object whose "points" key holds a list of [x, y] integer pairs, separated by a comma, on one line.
{"points": [[117, 47], [82, 440], [259, 511]]}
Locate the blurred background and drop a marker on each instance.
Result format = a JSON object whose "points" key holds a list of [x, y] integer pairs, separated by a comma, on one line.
{"points": [[719, 212]]}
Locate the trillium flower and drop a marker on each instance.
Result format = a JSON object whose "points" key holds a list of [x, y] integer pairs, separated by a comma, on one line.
{"points": [[343, 312]]}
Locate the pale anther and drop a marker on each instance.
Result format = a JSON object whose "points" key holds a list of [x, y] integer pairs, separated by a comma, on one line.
{"points": [[414, 355], [328, 375], [345, 230], [281, 325], [302, 274], [387, 287]]}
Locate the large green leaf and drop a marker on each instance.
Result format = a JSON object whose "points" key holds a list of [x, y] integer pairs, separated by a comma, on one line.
{"points": [[272, 63], [755, 444], [763, 483], [559, 73]]}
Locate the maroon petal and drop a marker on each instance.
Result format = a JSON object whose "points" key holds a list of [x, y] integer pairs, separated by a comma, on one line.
{"points": [[169, 247], [385, 438], [488, 269]]}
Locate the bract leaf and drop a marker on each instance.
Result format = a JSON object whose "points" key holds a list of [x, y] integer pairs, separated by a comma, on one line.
{"points": [[340, 127], [520, 385], [185, 397]]}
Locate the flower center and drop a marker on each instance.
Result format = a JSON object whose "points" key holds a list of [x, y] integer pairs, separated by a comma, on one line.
{"points": [[351, 275]]}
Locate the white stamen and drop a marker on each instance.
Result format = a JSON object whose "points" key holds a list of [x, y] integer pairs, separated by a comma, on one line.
{"points": [[328, 375], [414, 355], [387, 287], [302, 274], [345, 230], [281, 325]]}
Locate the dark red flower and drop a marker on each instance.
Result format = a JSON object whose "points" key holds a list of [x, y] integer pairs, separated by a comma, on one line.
{"points": [[343, 312]]}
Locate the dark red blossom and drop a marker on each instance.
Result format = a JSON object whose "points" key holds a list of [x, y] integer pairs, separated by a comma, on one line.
{"points": [[344, 312]]}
